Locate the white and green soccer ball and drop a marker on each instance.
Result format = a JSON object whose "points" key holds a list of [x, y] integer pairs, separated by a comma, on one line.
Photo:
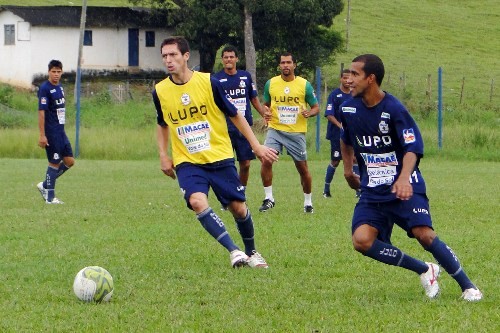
{"points": [[93, 284]]}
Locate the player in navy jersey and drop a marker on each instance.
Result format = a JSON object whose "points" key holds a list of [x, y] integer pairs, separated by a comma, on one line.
{"points": [[388, 145], [191, 108], [243, 92], [51, 120], [336, 97]]}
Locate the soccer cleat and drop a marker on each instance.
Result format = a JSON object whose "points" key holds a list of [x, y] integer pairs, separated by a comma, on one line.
{"points": [[266, 205], [257, 261], [42, 190], [223, 208], [472, 295], [54, 201], [358, 194], [429, 280], [308, 209], [327, 195], [238, 258]]}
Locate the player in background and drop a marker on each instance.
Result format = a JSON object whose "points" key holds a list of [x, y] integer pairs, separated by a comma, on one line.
{"points": [[191, 109], [51, 120], [388, 146], [333, 128], [243, 92], [287, 95]]}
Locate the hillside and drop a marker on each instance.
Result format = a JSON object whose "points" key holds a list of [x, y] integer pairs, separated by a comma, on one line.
{"points": [[415, 37]]}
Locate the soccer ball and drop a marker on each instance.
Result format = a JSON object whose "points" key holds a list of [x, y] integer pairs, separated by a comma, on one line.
{"points": [[93, 283]]}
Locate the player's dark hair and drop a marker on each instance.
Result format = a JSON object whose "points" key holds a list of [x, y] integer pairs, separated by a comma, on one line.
{"points": [[55, 63], [345, 71], [372, 65], [181, 42], [286, 54], [229, 48]]}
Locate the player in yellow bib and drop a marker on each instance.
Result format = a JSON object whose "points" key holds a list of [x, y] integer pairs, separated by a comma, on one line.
{"points": [[287, 97], [191, 109]]}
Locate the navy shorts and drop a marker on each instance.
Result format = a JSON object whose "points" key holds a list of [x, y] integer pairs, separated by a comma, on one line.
{"points": [[383, 215], [335, 153], [241, 146], [58, 147], [221, 176]]}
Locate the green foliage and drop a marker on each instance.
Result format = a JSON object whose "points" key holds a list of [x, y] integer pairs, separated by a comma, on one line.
{"points": [[6, 93], [171, 276]]}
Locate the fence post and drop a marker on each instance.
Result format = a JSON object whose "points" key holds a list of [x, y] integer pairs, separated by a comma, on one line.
{"points": [[318, 117], [440, 108]]}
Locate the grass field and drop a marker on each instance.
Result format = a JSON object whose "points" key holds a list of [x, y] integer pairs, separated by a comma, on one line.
{"points": [[170, 276]]}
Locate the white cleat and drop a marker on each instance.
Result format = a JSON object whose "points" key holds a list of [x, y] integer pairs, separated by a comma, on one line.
{"points": [[54, 201], [472, 295], [42, 191], [429, 280], [238, 258], [257, 261]]}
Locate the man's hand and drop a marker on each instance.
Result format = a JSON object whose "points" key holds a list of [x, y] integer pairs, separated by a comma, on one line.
{"points": [[42, 141], [267, 113], [402, 188], [266, 154], [167, 166], [353, 180]]}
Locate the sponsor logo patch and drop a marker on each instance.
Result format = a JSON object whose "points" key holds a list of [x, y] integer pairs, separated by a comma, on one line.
{"points": [[348, 109], [408, 135]]}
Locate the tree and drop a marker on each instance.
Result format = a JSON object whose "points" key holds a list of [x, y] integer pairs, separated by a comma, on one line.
{"points": [[302, 27]]}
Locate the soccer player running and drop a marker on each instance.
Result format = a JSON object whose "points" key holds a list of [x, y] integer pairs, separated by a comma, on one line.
{"points": [[51, 120], [286, 95], [388, 146], [333, 128], [191, 108], [240, 87]]}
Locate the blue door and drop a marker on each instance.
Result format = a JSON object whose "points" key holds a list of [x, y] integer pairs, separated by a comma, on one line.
{"points": [[133, 47]]}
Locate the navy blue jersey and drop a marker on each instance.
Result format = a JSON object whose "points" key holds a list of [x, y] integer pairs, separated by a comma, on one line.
{"points": [[380, 136], [335, 98], [51, 100], [241, 89]]}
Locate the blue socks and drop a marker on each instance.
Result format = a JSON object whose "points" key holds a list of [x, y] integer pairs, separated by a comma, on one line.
{"points": [[215, 227], [62, 169], [446, 258], [330, 172], [245, 227], [50, 182], [391, 255]]}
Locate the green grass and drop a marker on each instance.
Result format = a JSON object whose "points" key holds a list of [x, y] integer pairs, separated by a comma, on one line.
{"points": [[170, 276], [414, 38]]}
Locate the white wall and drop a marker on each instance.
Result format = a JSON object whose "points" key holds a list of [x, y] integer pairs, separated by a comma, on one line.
{"points": [[19, 63]]}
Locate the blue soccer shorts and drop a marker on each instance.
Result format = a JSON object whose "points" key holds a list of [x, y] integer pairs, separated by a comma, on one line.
{"points": [[58, 147], [221, 176], [407, 214], [241, 146]]}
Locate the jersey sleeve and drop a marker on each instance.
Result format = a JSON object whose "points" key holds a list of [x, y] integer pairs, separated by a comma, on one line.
{"points": [[222, 99], [253, 91], [267, 96], [344, 131], [310, 94], [329, 111], [43, 98], [159, 113], [408, 132]]}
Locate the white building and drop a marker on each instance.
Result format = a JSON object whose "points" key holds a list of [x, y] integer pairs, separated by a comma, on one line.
{"points": [[115, 40]]}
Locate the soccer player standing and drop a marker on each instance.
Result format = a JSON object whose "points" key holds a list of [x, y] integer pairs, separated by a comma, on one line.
{"points": [[388, 145], [287, 95], [191, 108], [243, 92], [333, 127], [51, 120]]}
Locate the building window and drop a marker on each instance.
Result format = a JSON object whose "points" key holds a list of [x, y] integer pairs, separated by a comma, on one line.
{"points": [[87, 38], [150, 38], [10, 34]]}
